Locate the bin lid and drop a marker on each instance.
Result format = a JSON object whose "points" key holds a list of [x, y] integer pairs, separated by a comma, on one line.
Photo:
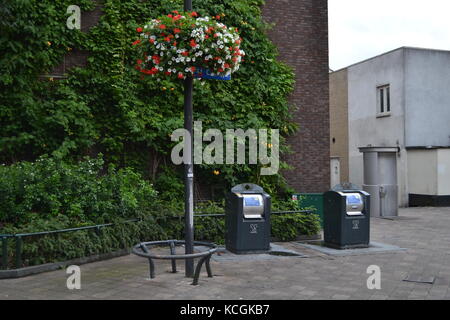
{"points": [[247, 188], [345, 186]]}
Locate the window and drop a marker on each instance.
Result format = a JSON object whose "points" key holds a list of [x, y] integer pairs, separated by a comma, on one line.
{"points": [[384, 100]]}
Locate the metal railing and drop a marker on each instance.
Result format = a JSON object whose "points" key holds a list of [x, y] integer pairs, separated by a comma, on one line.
{"points": [[18, 238]]}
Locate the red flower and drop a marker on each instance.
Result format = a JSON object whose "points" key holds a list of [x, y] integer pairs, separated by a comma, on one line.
{"points": [[151, 41], [178, 17], [136, 42], [167, 39], [220, 70], [155, 70], [139, 29], [162, 27], [193, 43], [193, 69], [176, 30], [206, 37], [175, 44], [218, 17], [226, 65], [194, 14], [139, 61], [176, 12], [170, 16], [185, 53], [167, 73], [180, 76]]}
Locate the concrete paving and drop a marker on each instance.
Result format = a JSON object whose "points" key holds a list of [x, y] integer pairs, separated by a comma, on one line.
{"points": [[424, 232]]}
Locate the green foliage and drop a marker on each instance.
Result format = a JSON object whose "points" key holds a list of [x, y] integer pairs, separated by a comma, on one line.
{"points": [[288, 227], [106, 108], [33, 193]]}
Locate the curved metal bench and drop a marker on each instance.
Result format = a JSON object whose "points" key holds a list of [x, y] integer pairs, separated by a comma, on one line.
{"points": [[143, 250]]}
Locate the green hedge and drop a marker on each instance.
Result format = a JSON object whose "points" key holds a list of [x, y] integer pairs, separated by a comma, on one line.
{"points": [[50, 194]]}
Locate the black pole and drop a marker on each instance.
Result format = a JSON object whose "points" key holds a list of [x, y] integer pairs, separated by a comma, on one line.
{"points": [[187, 5], [189, 168]]}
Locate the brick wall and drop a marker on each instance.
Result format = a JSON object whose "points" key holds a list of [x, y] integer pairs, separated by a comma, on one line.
{"points": [[301, 34]]}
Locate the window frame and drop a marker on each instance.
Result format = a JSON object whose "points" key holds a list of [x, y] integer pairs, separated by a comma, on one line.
{"points": [[384, 105]]}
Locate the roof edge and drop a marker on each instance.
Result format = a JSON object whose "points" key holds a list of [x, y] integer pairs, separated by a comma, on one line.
{"points": [[389, 52]]}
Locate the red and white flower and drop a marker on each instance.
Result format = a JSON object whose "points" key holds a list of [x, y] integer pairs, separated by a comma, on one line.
{"points": [[178, 44]]}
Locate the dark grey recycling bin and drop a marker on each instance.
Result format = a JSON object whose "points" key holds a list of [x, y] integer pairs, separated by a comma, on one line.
{"points": [[247, 218], [346, 219]]}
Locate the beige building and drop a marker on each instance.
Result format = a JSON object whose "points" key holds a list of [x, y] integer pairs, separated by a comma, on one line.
{"points": [[339, 127]]}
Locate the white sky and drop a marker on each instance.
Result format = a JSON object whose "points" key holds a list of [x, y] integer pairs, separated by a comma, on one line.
{"points": [[361, 29]]}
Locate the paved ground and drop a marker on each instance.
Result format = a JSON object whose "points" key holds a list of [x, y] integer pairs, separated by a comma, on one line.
{"points": [[425, 232]]}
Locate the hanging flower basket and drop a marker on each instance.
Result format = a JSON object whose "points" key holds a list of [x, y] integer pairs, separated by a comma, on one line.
{"points": [[182, 44]]}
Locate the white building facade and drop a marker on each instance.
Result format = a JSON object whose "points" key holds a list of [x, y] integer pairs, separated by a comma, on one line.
{"points": [[401, 99]]}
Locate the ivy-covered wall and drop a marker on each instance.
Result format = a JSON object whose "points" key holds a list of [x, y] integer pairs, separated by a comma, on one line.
{"points": [[106, 107]]}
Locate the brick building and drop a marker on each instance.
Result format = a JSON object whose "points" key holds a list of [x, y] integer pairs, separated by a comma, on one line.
{"points": [[301, 35]]}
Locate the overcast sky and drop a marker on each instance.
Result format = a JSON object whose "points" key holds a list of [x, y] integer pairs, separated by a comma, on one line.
{"points": [[361, 29]]}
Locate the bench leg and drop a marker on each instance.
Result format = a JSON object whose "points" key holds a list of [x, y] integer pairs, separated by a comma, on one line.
{"points": [[152, 268], [197, 270], [208, 266], [173, 252]]}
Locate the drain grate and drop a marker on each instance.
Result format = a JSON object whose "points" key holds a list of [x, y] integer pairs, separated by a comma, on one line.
{"points": [[419, 279]]}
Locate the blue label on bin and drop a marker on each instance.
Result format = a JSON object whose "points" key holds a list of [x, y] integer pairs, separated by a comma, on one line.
{"points": [[252, 202]]}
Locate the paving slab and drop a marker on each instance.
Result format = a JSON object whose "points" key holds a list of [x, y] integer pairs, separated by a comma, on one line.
{"points": [[423, 232]]}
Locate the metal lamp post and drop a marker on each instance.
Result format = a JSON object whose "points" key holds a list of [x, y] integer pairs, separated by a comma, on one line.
{"points": [[189, 168]]}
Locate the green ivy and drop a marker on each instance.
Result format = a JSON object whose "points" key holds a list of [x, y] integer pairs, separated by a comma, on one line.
{"points": [[106, 108]]}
